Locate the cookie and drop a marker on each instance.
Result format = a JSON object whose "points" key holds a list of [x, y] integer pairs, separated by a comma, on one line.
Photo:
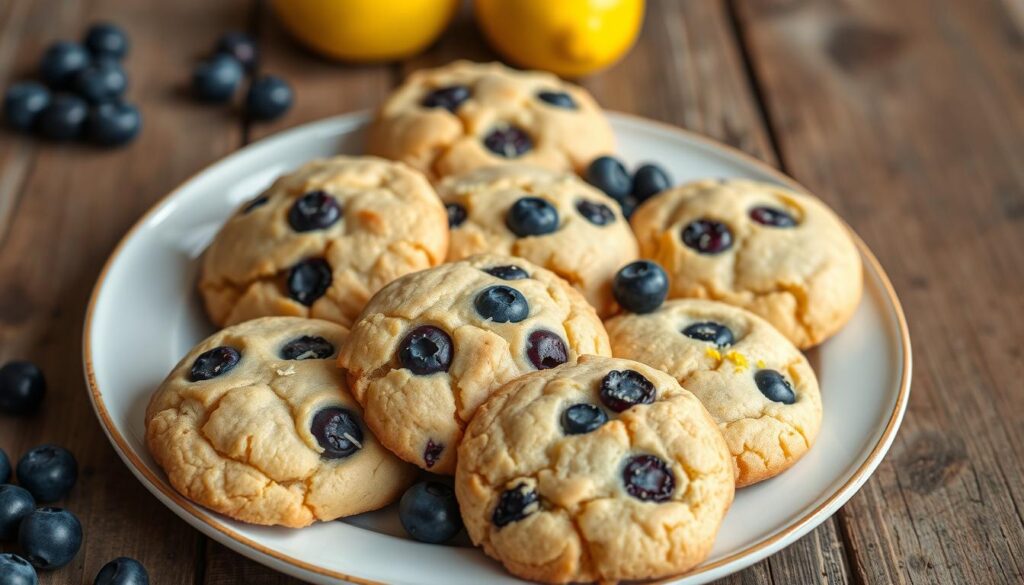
{"points": [[256, 423], [466, 115], [757, 386], [606, 470], [431, 346], [551, 218], [781, 254], [321, 240]]}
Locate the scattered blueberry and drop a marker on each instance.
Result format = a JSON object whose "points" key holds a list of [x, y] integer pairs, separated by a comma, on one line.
{"points": [[430, 513], [50, 537], [546, 350], [772, 216], [580, 419], [61, 63], [559, 99], [307, 347], [64, 118], [628, 205], [502, 304], [449, 98], [213, 363], [309, 280], [48, 472], [122, 571], [5, 467], [426, 350], [532, 216], [640, 287], [104, 39], [456, 214], [709, 331], [240, 46], [648, 478], [774, 386], [621, 390], [514, 504], [23, 102], [432, 452], [648, 181], [216, 79], [15, 504], [707, 236], [595, 213], [102, 81], [337, 431], [507, 272], [508, 141], [315, 210], [608, 174], [15, 570], [22, 387], [269, 97], [254, 203], [113, 124]]}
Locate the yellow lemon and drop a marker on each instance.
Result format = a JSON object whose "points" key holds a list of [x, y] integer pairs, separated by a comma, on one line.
{"points": [[568, 37], [365, 30]]}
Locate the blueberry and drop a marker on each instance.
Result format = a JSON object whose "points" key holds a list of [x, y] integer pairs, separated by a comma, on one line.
{"points": [[514, 504], [580, 419], [648, 478], [216, 79], [546, 350], [432, 452], [774, 386], [456, 214], [430, 513], [104, 39], [48, 472], [307, 347], [640, 287], [269, 97], [5, 467], [532, 216], [508, 141], [772, 217], [595, 213], [64, 118], [621, 390], [240, 46], [122, 571], [50, 537], [707, 236], [23, 102], [258, 201], [608, 174], [309, 280], [502, 304], [102, 81], [61, 62], [507, 272], [709, 331], [15, 570], [337, 430], [559, 99], [426, 350], [113, 124], [315, 210], [449, 98], [648, 181], [22, 387], [15, 504], [213, 363]]}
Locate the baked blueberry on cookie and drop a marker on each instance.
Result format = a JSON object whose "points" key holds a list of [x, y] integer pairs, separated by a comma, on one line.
{"points": [[783, 255], [551, 218], [256, 423], [431, 346], [321, 240], [606, 470], [755, 383], [466, 115]]}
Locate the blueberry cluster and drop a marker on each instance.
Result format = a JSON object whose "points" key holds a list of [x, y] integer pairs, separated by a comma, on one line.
{"points": [[609, 174], [81, 93], [236, 56]]}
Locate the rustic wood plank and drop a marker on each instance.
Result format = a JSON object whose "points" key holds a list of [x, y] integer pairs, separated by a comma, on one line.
{"points": [[908, 118]]}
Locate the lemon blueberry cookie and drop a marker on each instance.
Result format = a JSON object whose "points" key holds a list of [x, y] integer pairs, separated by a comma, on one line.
{"points": [[431, 346], [321, 240], [467, 115], [605, 470], [783, 255], [551, 218], [256, 423]]}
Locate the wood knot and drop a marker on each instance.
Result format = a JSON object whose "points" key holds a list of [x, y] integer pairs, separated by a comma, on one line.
{"points": [[855, 47], [932, 459]]}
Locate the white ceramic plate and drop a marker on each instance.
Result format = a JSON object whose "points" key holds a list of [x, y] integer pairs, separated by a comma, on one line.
{"points": [[144, 306]]}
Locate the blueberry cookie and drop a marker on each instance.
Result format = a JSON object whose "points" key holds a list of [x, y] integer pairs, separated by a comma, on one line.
{"points": [[256, 423], [603, 471], [781, 254], [466, 115], [321, 240], [757, 386], [431, 346], [550, 218]]}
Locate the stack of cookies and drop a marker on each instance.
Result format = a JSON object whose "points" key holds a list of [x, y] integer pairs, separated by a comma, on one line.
{"points": [[462, 302]]}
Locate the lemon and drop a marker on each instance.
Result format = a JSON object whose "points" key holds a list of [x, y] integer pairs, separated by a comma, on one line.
{"points": [[365, 30], [567, 37]]}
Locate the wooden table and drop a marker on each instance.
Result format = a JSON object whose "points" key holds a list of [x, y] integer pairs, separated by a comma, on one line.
{"points": [[906, 115]]}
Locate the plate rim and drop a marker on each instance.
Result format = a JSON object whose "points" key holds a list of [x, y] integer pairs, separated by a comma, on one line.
{"points": [[742, 558]]}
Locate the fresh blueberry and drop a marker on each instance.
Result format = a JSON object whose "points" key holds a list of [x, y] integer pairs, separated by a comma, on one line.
{"points": [[113, 124], [48, 472], [15, 504], [507, 272], [449, 98], [5, 467], [559, 99], [514, 504], [240, 46], [15, 570], [315, 210], [546, 350], [508, 141], [580, 419], [595, 213], [61, 63], [23, 102], [269, 97], [102, 81], [122, 571], [648, 478], [532, 216], [64, 118], [774, 386], [50, 537], [430, 513], [309, 280], [307, 347], [337, 430], [709, 331], [213, 363], [640, 287], [608, 174], [772, 217], [426, 350], [432, 452], [707, 236], [104, 39], [456, 214], [22, 387], [502, 304], [648, 181], [254, 203], [216, 79], [621, 390]]}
